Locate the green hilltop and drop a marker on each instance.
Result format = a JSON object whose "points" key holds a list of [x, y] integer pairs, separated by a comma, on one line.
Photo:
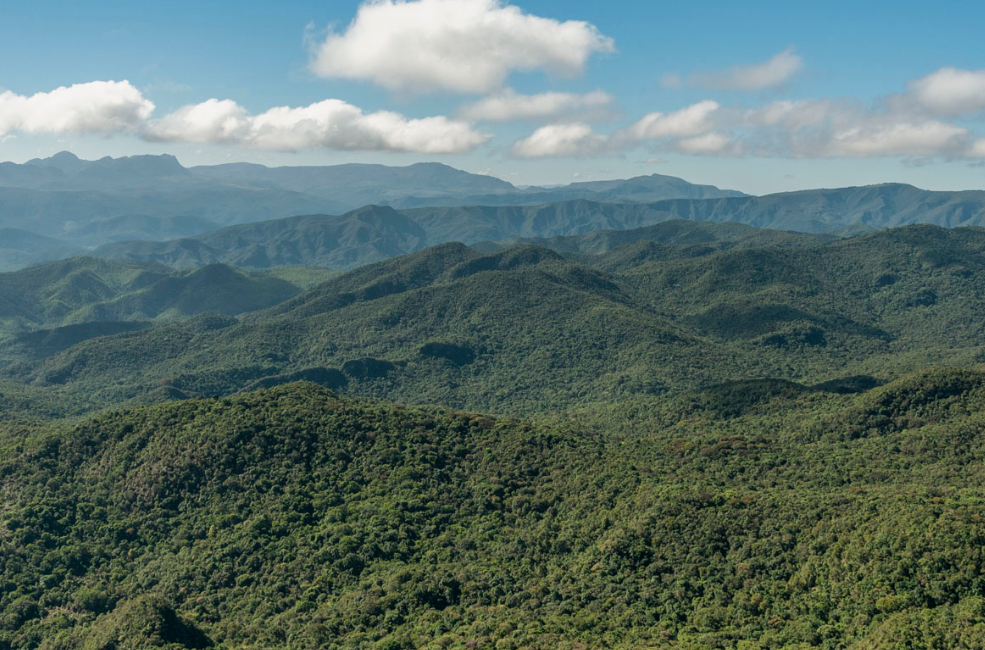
{"points": [[297, 518], [524, 330]]}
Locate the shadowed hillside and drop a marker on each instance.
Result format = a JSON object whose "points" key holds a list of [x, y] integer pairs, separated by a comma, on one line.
{"points": [[524, 330]]}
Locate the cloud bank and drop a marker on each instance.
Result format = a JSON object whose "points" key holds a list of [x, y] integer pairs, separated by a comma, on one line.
{"points": [[812, 129], [118, 108], [932, 117], [97, 107], [329, 124], [468, 46]]}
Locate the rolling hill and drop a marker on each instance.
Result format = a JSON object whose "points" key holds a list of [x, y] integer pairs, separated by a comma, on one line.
{"points": [[379, 232], [297, 516], [524, 330], [50, 307], [151, 208], [376, 233]]}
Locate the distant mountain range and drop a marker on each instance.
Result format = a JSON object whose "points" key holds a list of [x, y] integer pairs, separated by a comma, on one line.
{"points": [[151, 208], [375, 233], [89, 203]]}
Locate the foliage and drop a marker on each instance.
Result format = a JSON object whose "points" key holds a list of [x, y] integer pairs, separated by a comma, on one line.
{"points": [[296, 518], [532, 332]]}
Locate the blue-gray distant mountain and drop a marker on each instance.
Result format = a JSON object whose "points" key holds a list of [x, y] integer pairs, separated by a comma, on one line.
{"points": [[356, 185], [152, 208], [20, 248], [374, 233], [155, 198], [641, 189]]}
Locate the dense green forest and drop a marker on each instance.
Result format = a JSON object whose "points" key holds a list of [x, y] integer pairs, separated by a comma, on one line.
{"points": [[295, 518], [691, 436], [525, 330]]}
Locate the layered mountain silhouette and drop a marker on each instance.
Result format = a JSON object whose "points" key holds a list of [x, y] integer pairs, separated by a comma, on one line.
{"points": [[687, 304], [152, 208], [374, 233], [155, 197]]}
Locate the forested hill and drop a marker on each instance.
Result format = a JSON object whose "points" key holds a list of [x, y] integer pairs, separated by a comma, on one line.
{"points": [[296, 518], [525, 330], [373, 233], [695, 436], [376, 233]]}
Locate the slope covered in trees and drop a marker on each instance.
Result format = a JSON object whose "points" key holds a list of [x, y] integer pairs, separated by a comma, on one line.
{"points": [[709, 436], [296, 518], [48, 308], [524, 330]]}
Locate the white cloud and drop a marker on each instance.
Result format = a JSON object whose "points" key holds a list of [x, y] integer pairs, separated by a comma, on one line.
{"points": [[212, 121], [776, 70], [928, 138], [794, 114], [690, 120], [560, 140], [707, 144], [117, 108], [950, 91], [784, 129], [509, 105], [97, 107], [330, 124], [458, 45], [578, 139]]}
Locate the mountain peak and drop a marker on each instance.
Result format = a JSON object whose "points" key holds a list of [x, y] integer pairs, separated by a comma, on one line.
{"points": [[64, 161], [62, 156]]}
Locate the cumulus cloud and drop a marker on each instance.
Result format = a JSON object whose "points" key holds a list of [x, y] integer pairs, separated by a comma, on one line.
{"points": [[899, 139], [691, 120], [118, 108], [795, 114], [775, 71], [707, 144], [97, 107], [212, 121], [688, 129], [950, 91], [457, 45], [561, 140], [330, 124], [509, 105], [783, 129]]}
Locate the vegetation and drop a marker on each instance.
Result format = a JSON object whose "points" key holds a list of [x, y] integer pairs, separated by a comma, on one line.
{"points": [[296, 518], [537, 333], [88, 290], [706, 437]]}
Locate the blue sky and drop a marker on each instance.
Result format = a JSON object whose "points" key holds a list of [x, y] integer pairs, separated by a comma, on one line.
{"points": [[885, 91]]}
